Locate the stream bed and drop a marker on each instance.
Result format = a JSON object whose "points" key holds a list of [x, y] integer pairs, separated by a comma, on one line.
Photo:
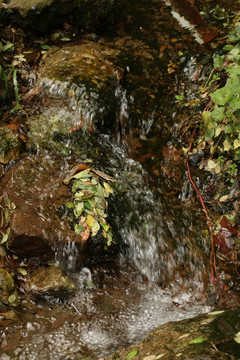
{"points": [[130, 131]]}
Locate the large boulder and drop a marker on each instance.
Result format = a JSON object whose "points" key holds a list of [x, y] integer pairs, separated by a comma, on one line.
{"points": [[42, 15], [37, 194], [84, 77]]}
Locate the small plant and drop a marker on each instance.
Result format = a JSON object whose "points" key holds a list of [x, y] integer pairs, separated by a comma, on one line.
{"points": [[90, 204], [8, 73], [221, 120]]}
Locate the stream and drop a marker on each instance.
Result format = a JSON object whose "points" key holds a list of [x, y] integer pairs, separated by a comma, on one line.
{"points": [[161, 272]]}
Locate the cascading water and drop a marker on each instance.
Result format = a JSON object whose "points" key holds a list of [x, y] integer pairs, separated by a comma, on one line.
{"points": [[161, 271]]}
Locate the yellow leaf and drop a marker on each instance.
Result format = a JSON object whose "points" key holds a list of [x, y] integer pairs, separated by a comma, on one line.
{"points": [[90, 221], [237, 337], [108, 188], [224, 198], [236, 143], [227, 145], [211, 164], [218, 131], [95, 228]]}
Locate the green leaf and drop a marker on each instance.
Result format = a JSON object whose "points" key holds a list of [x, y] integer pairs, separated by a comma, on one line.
{"points": [[88, 205], [7, 46], [237, 155], [228, 47], [104, 226], [78, 209], [234, 51], [70, 205], [131, 355], [22, 271], [236, 144], [65, 39], [218, 113], [209, 134], [233, 70], [227, 145], [198, 340], [211, 164], [216, 312], [79, 194], [218, 131], [108, 188], [206, 116], [45, 47], [82, 174], [5, 236], [78, 229], [12, 298], [95, 228], [218, 61], [234, 102], [228, 129]]}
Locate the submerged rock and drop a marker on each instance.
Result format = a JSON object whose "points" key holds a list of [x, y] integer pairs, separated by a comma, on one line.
{"points": [[10, 145], [8, 294], [211, 336], [37, 223], [50, 280], [41, 15]]}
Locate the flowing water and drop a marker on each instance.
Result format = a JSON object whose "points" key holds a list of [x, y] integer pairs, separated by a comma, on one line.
{"points": [[161, 272]]}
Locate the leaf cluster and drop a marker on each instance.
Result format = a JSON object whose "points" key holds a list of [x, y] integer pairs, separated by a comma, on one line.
{"points": [[90, 203], [221, 122]]}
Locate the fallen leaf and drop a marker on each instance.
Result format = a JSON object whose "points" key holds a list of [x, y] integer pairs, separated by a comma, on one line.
{"points": [[197, 340], [211, 164], [216, 312], [131, 355]]}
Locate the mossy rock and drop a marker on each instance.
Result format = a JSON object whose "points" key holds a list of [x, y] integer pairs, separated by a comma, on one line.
{"points": [[85, 77], [50, 280], [10, 145], [8, 294], [212, 336]]}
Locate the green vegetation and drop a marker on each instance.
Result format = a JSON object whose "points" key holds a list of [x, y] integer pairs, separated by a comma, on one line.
{"points": [[90, 203], [220, 125]]}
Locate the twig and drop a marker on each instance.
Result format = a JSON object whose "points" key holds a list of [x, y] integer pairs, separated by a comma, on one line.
{"points": [[209, 222]]}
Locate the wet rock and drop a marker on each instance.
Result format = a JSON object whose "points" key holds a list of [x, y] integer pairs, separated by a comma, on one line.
{"points": [[85, 77], [205, 337], [50, 280], [10, 145], [8, 294], [41, 15], [36, 189]]}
